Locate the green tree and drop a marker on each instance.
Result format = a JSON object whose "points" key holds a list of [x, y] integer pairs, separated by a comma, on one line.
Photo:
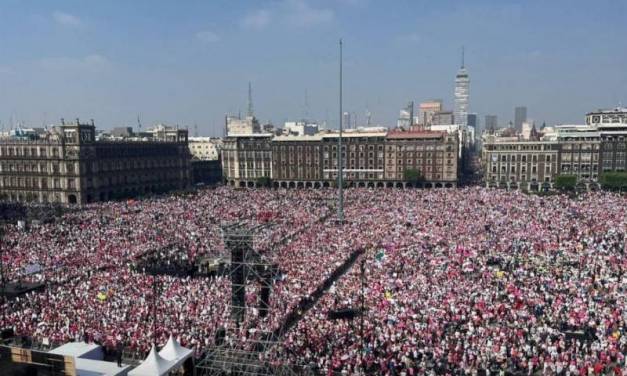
{"points": [[613, 180], [565, 182], [264, 181], [412, 175]]}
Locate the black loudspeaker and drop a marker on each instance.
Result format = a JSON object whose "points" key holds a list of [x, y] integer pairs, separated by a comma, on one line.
{"points": [[264, 301], [7, 333], [220, 334], [343, 314]]}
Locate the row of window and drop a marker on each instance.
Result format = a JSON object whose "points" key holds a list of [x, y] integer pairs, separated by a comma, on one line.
{"points": [[523, 169], [40, 183], [523, 178], [28, 152]]}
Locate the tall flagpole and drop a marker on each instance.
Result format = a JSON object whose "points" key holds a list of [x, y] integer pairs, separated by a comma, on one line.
{"points": [[340, 177]]}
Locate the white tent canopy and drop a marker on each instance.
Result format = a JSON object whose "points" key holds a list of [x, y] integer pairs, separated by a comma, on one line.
{"points": [[153, 365], [174, 352]]}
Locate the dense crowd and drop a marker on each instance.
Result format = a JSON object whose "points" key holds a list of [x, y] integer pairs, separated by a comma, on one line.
{"points": [[464, 281], [111, 234], [475, 281]]}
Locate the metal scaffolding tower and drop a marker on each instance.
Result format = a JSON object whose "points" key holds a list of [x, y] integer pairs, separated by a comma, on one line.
{"points": [[242, 346]]}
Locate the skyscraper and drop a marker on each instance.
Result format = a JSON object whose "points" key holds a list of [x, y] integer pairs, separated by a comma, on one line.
{"points": [[406, 116], [462, 86], [426, 110], [346, 120], [491, 123], [472, 120], [520, 116]]}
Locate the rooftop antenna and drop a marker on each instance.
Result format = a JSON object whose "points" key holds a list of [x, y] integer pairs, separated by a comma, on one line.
{"points": [[463, 57], [139, 123], [250, 99], [340, 182], [368, 116], [195, 130]]}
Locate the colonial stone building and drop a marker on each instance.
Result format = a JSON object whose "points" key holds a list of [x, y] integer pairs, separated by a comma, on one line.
{"points": [[246, 159], [296, 161], [520, 164], [584, 151], [579, 153], [363, 160], [371, 158], [67, 165], [434, 155]]}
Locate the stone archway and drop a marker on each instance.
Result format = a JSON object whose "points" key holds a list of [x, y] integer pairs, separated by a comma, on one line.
{"points": [[370, 184], [438, 185], [300, 185], [316, 185], [428, 185], [361, 184], [399, 185], [71, 199], [283, 184], [389, 184], [326, 184], [380, 185], [448, 185], [275, 184], [292, 185], [308, 184]]}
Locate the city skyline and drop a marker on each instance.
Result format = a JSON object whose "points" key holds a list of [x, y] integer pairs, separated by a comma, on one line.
{"points": [[114, 61]]}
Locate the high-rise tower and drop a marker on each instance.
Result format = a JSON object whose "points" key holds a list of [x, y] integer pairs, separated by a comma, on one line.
{"points": [[462, 86], [250, 100], [520, 116]]}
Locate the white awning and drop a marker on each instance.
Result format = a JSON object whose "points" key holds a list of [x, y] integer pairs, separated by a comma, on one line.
{"points": [[153, 365], [174, 352]]}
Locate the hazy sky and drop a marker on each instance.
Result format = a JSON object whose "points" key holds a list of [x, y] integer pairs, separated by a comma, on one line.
{"points": [[189, 62]]}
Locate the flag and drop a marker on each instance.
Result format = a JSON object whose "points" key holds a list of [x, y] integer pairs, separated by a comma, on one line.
{"points": [[102, 296], [379, 255]]}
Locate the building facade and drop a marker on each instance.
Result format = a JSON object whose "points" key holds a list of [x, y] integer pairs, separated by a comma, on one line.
{"points": [[246, 159], [426, 111], [579, 152], [69, 166], [370, 158], [514, 164], [205, 148], [433, 155], [235, 125], [584, 151], [612, 126], [613, 155], [296, 161]]}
